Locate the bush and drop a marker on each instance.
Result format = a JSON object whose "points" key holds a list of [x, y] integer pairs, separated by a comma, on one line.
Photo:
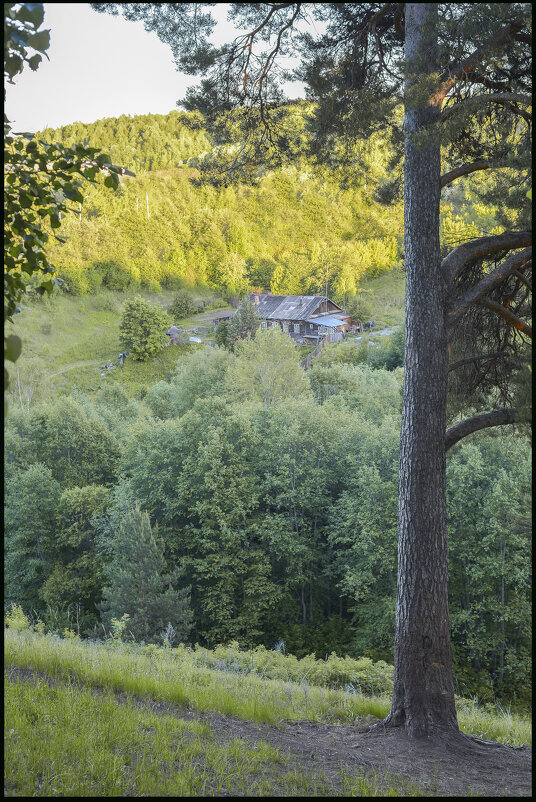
{"points": [[360, 307], [360, 675], [94, 279], [222, 333], [142, 328], [391, 354], [170, 281], [219, 303], [114, 276], [15, 619], [183, 305], [74, 282]]}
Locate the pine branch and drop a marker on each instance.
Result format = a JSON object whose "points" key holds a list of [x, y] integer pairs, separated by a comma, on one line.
{"points": [[484, 246], [523, 279], [465, 169], [507, 315], [488, 283], [478, 358], [456, 71], [501, 417], [494, 97]]}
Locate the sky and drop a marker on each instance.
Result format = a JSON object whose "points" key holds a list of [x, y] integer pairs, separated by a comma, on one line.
{"points": [[100, 66]]}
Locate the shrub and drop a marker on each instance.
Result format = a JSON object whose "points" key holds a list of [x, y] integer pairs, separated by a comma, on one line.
{"points": [[114, 276], [183, 305], [16, 619], [74, 282], [360, 307], [360, 675], [94, 279], [222, 333], [219, 303], [142, 328]]}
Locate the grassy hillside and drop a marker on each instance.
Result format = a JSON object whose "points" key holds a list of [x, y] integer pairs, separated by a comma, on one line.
{"points": [[150, 721], [67, 339]]}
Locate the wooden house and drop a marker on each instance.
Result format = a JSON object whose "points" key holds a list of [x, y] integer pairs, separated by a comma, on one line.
{"points": [[306, 318]]}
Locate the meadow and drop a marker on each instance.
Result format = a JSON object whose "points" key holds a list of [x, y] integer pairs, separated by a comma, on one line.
{"points": [[119, 719]]}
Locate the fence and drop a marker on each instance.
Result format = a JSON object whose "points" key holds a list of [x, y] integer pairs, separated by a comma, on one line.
{"points": [[328, 338]]}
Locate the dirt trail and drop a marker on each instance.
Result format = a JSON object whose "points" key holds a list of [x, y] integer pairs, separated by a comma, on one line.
{"points": [[78, 364], [487, 770]]}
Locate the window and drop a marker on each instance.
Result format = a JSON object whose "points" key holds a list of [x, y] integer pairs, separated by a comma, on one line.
{"points": [[296, 328]]}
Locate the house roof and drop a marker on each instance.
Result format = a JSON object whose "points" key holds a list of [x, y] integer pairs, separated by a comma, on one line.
{"points": [[328, 320], [289, 307]]}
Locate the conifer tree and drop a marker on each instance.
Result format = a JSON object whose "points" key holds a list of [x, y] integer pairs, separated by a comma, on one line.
{"points": [[466, 87], [139, 586], [244, 323]]}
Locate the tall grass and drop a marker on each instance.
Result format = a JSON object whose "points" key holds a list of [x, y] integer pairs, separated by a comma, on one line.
{"points": [[67, 741], [184, 682], [178, 678]]}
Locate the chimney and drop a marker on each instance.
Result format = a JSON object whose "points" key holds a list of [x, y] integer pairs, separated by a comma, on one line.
{"points": [[256, 299]]}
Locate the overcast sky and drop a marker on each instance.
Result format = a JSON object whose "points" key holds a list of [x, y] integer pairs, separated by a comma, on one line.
{"points": [[100, 66]]}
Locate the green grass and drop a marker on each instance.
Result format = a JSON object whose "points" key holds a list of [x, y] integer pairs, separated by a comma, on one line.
{"points": [[386, 294], [184, 682], [68, 741], [66, 340], [176, 677]]}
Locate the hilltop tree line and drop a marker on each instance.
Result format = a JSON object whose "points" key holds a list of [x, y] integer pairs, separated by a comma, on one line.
{"points": [[247, 500]]}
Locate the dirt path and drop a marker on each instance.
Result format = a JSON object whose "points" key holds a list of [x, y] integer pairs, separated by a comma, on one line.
{"points": [[487, 770], [78, 364]]}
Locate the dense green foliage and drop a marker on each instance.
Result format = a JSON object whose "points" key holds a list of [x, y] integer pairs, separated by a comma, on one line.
{"points": [[143, 328], [276, 502], [42, 179], [244, 323], [146, 142], [290, 231]]}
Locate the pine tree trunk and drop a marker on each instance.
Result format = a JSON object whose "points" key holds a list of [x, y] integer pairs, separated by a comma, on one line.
{"points": [[423, 700]]}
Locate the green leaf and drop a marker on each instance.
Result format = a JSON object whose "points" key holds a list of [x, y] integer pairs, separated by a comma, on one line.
{"points": [[35, 61], [32, 12], [529, 194], [12, 347], [40, 41], [55, 220]]}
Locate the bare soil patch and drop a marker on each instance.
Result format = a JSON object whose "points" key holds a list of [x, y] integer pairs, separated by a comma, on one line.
{"points": [[444, 769]]}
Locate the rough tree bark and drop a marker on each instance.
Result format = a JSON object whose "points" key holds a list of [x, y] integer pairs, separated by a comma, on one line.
{"points": [[423, 699]]}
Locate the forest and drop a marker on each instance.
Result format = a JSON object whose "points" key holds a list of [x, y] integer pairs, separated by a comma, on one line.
{"points": [[280, 521], [294, 229]]}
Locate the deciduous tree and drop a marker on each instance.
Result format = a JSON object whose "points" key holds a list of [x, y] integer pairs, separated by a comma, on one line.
{"points": [[41, 179]]}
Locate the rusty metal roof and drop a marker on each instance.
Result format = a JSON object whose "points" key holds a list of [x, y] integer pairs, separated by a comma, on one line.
{"points": [[288, 307]]}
